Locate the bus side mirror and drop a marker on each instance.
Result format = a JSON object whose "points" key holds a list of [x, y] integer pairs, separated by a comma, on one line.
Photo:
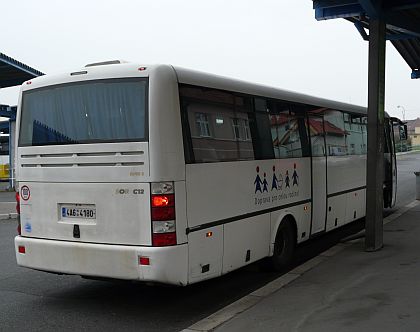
{"points": [[403, 132]]}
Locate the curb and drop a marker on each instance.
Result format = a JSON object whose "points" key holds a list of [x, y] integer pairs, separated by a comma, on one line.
{"points": [[230, 311], [406, 152]]}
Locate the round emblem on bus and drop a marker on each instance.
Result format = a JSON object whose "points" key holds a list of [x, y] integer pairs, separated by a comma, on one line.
{"points": [[25, 193]]}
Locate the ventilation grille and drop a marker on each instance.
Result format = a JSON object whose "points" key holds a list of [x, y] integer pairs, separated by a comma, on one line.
{"points": [[84, 159]]}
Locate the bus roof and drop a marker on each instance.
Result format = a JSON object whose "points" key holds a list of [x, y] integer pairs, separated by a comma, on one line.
{"points": [[193, 77]]}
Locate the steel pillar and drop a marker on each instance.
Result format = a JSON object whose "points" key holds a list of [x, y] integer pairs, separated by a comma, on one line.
{"points": [[375, 156]]}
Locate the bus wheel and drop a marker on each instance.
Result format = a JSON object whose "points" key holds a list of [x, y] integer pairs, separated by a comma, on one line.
{"points": [[284, 247]]}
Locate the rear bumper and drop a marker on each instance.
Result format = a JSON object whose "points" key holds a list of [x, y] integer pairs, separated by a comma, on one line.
{"points": [[168, 265]]}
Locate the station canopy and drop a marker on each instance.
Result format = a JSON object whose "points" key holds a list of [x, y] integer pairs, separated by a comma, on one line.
{"points": [[13, 72], [402, 18]]}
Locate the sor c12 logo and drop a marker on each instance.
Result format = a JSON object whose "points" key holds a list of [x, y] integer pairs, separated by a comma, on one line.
{"points": [[127, 191], [25, 193]]}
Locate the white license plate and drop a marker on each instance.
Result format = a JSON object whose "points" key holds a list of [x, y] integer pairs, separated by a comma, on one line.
{"points": [[78, 211]]}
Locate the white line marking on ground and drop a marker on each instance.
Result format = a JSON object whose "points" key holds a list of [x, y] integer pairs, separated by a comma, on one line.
{"points": [[227, 313]]}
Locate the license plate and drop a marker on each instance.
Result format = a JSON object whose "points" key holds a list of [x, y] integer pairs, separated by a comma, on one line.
{"points": [[78, 211]]}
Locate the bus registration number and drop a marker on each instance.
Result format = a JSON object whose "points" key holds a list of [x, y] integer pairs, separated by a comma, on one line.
{"points": [[78, 211]]}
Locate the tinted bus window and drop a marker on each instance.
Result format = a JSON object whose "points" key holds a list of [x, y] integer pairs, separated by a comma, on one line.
{"points": [[288, 132], [335, 133], [263, 144], [218, 125], [87, 112], [355, 136]]}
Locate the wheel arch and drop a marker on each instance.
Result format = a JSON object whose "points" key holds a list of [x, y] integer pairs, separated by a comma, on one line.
{"points": [[285, 216]]}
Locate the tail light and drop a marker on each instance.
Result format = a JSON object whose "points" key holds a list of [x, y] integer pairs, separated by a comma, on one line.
{"points": [[17, 197], [162, 201]]}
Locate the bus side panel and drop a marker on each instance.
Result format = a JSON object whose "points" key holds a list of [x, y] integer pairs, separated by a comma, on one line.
{"points": [[246, 241], [181, 212], [356, 204], [219, 191], [336, 215], [350, 203], [205, 251], [346, 173]]}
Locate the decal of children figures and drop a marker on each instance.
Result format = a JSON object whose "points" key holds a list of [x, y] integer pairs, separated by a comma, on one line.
{"points": [[274, 182], [265, 183], [280, 182], [287, 180], [295, 176], [258, 181]]}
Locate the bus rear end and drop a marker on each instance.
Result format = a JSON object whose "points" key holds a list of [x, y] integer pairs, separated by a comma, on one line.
{"points": [[92, 203]]}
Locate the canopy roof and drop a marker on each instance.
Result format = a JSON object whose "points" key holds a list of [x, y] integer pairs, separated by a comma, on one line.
{"points": [[402, 18], [13, 72]]}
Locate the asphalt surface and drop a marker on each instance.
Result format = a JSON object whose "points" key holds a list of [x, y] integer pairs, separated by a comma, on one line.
{"points": [[7, 196], [38, 301]]}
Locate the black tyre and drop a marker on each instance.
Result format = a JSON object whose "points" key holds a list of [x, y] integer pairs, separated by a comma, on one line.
{"points": [[284, 247]]}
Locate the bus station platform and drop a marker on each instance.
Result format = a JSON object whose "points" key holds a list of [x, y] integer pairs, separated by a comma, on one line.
{"points": [[345, 288]]}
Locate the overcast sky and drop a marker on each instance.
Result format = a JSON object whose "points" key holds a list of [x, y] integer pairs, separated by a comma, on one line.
{"points": [[273, 42]]}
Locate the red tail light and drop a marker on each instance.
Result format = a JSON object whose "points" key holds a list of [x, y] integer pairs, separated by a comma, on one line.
{"points": [[164, 213], [164, 239], [17, 197], [162, 201], [22, 249]]}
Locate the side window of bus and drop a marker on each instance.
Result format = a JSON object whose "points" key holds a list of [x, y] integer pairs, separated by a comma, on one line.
{"points": [[216, 125], [317, 134], [260, 130], [288, 131], [364, 134], [356, 132], [335, 133]]}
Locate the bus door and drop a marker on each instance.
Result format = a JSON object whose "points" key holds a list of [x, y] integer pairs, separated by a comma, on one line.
{"points": [[394, 167], [319, 173], [393, 127]]}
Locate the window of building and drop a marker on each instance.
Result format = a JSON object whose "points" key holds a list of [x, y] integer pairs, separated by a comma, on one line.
{"points": [[236, 128], [247, 130], [202, 122]]}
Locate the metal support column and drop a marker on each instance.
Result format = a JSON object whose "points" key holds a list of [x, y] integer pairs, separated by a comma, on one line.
{"points": [[375, 157]]}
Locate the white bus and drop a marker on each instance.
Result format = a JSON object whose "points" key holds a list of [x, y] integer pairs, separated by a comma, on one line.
{"points": [[163, 174]]}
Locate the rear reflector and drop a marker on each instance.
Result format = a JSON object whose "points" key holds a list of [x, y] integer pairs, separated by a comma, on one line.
{"points": [[164, 239], [144, 261], [22, 249]]}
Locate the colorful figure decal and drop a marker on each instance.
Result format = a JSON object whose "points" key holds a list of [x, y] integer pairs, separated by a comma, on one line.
{"points": [[265, 183], [287, 180], [258, 182], [274, 183], [295, 176], [280, 182]]}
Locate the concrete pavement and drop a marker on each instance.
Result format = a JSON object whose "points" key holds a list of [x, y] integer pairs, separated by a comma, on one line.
{"points": [[351, 290]]}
